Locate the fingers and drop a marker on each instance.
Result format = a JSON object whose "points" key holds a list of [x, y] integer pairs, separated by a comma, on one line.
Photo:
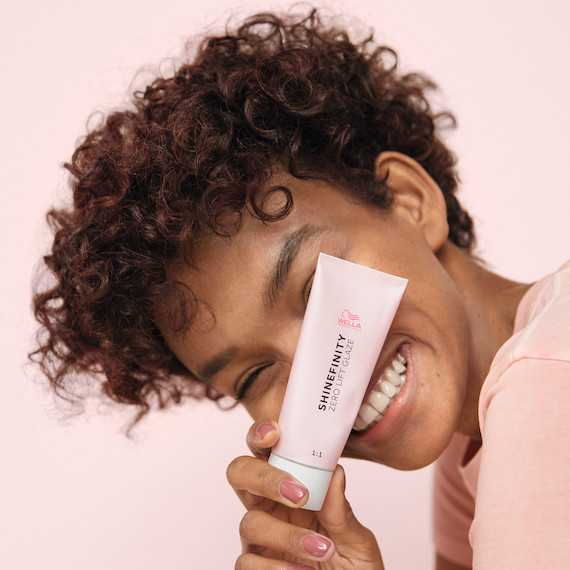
{"points": [[351, 538], [255, 482], [261, 437], [254, 562], [260, 531], [267, 530]]}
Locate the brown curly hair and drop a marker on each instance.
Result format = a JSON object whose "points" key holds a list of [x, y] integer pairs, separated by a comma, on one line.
{"points": [[196, 146]]}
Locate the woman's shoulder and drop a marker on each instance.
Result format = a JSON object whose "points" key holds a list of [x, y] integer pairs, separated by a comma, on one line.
{"points": [[542, 323], [540, 345]]}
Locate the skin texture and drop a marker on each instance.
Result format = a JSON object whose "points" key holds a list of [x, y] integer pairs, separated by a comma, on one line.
{"points": [[453, 318]]}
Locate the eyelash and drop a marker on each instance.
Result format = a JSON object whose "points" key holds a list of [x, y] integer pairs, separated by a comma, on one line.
{"points": [[308, 287], [242, 389]]}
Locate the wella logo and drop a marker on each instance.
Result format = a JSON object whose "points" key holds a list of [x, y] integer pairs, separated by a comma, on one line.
{"points": [[347, 319]]}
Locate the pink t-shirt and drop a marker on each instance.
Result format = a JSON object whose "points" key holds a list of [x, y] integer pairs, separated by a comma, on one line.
{"points": [[509, 506]]}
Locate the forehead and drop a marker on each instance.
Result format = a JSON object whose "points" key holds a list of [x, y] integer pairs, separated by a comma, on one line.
{"points": [[226, 262], [231, 277]]}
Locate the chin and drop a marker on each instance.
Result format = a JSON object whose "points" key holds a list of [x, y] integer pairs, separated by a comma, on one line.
{"points": [[399, 454], [399, 463]]}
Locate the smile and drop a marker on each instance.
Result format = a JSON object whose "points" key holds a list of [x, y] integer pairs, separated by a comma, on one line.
{"points": [[383, 393]]}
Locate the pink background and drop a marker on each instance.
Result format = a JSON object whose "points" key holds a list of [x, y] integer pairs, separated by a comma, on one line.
{"points": [[76, 494]]}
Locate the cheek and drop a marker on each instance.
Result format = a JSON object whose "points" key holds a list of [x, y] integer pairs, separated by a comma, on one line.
{"points": [[268, 405], [269, 392]]}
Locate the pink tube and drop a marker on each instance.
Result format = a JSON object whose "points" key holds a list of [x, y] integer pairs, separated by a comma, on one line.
{"points": [[349, 313]]}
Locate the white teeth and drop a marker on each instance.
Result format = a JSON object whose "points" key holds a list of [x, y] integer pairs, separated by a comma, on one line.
{"points": [[359, 424], [388, 388], [393, 377], [378, 401], [385, 390], [367, 413], [398, 366]]}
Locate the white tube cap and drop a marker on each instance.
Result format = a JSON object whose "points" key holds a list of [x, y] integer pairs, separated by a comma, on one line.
{"points": [[316, 480]]}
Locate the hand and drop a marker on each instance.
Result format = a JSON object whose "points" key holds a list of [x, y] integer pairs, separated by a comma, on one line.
{"points": [[277, 534]]}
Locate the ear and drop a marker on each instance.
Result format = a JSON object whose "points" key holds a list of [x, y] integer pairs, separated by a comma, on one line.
{"points": [[417, 197]]}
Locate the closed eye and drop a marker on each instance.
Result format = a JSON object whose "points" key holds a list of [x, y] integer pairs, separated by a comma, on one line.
{"points": [[307, 288], [249, 380]]}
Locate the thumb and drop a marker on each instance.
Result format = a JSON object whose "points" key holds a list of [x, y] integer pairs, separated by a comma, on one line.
{"points": [[352, 540], [261, 437]]}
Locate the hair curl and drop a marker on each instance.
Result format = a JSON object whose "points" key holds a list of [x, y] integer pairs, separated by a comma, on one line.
{"points": [[195, 147]]}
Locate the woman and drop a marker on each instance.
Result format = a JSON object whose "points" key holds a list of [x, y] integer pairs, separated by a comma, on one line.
{"points": [[283, 139]]}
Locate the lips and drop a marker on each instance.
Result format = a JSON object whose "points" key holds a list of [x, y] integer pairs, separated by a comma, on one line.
{"points": [[382, 394]]}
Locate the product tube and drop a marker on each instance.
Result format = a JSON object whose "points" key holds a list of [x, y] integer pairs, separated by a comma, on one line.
{"points": [[348, 315]]}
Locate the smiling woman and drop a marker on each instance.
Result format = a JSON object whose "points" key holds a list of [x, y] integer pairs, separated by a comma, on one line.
{"points": [[184, 264], [191, 158]]}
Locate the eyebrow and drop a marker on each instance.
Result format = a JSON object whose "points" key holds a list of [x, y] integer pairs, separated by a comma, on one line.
{"points": [[290, 247], [289, 250], [217, 363]]}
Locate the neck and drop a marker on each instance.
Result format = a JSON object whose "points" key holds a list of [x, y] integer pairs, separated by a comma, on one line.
{"points": [[491, 303]]}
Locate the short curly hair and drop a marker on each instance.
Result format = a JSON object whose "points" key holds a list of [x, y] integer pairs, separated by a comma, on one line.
{"points": [[286, 91]]}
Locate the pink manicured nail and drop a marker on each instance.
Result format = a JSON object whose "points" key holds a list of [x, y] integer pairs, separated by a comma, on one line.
{"points": [[264, 429], [316, 545], [292, 491]]}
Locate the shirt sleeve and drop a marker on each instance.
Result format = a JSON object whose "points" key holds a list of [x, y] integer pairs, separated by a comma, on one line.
{"points": [[453, 505], [522, 516]]}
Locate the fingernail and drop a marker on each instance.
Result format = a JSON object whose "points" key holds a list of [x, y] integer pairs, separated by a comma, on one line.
{"points": [[264, 429], [316, 545], [292, 491]]}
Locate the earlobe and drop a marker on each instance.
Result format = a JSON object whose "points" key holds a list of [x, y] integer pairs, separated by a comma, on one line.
{"points": [[417, 197]]}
